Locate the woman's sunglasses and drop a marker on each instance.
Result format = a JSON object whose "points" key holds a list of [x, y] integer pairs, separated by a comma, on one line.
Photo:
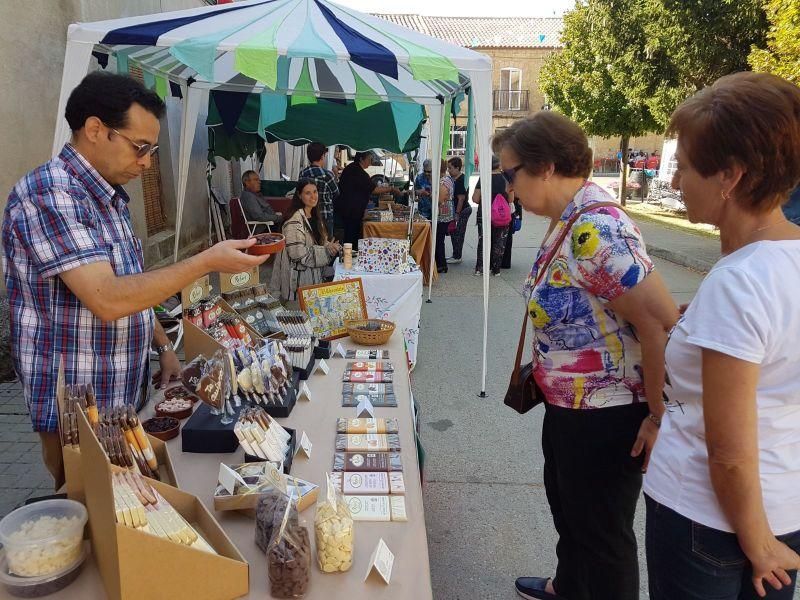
{"points": [[141, 149], [510, 174]]}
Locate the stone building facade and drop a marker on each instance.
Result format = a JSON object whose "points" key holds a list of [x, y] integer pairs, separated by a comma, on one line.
{"points": [[518, 48]]}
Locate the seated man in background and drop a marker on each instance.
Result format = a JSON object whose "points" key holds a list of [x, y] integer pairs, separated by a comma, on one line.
{"points": [[255, 206]]}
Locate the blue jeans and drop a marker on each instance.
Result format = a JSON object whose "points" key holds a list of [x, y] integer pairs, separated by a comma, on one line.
{"points": [[689, 561]]}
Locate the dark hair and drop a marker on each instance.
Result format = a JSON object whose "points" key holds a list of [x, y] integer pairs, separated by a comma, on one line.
{"points": [[455, 162], [746, 119], [318, 229], [547, 137], [247, 175], [108, 97], [362, 155], [315, 151]]}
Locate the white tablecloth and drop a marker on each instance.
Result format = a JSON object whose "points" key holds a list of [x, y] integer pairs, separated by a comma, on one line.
{"points": [[396, 298]]}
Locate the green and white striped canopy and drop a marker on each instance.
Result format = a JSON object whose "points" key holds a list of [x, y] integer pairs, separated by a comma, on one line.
{"points": [[304, 48]]}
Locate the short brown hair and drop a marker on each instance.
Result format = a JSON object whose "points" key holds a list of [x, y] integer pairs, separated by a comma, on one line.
{"points": [[455, 162], [746, 119], [547, 137]]}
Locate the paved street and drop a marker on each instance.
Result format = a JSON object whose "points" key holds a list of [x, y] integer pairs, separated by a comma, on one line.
{"points": [[485, 506]]}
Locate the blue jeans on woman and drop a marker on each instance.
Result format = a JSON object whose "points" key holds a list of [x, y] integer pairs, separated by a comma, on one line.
{"points": [[689, 561]]}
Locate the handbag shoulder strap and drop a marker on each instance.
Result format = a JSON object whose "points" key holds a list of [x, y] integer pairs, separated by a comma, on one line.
{"points": [[543, 269]]}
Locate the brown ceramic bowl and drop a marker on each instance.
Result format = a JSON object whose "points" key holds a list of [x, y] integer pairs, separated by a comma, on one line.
{"points": [[163, 428], [179, 391], [180, 414], [268, 243]]}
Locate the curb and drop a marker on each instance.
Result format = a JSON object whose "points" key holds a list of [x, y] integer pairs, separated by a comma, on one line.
{"points": [[695, 264]]}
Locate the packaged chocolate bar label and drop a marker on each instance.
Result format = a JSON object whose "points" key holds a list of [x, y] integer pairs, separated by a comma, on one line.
{"points": [[379, 394], [369, 482], [377, 508], [367, 461], [372, 442], [366, 483], [368, 376], [367, 354], [370, 365], [366, 426], [369, 508]]}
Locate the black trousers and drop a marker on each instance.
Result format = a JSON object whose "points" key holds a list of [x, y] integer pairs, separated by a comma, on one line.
{"points": [[506, 262], [592, 485], [441, 236], [352, 231]]}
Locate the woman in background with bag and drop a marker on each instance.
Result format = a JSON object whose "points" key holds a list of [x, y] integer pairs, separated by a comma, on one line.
{"points": [[446, 215], [499, 230], [600, 318], [308, 250]]}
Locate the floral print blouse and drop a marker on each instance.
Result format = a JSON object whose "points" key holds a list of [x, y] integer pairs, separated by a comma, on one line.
{"points": [[585, 356]]}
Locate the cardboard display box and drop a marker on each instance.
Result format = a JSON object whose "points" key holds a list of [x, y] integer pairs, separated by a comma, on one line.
{"points": [[136, 565], [73, 470], [195, 340], [305, 492]]}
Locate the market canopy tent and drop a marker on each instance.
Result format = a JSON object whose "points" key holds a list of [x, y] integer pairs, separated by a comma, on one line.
{"points": [[292, 52]]}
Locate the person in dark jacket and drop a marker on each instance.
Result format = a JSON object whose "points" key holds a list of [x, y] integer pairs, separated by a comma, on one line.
{"points": [[355, 189]]}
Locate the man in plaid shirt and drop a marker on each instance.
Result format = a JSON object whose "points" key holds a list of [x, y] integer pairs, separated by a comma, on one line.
{"points": [[74, 268], [326, 181]]}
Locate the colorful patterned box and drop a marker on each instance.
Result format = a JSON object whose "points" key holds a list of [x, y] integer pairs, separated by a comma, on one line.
{"points": [[382, 255]]}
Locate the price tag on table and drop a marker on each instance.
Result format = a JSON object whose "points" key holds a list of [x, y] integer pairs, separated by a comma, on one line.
{"points": [[321, 366], [304, 392], [381, 562]]}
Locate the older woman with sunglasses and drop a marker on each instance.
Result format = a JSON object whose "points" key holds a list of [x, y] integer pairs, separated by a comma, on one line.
{"points": [[723, 492], [600, 316]]}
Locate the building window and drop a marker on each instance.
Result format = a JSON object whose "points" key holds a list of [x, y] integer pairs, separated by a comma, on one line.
{"points": [[458, 140], [511, 88]]}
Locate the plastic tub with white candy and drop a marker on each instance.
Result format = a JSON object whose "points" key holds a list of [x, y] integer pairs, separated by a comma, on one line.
{"points": [[42, 539]]}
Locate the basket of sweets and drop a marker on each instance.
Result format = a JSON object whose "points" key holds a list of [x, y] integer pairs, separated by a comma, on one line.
{"points": [[370, 332]]}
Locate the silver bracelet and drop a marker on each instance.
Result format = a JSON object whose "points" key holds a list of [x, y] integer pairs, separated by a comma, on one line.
{"points": [[655, 420]]}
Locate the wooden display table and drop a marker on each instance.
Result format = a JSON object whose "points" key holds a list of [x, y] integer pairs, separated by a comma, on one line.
{"points": [[197, 474]]}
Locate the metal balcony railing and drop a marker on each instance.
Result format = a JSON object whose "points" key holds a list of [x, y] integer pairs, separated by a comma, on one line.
{"points": [[511, 100]]}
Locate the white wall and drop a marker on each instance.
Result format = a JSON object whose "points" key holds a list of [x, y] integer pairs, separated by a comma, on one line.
{"points": [[32, 44]]}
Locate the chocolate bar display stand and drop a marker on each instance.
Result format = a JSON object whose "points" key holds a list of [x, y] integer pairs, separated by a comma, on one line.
{"points": [[305, 373], [322, 349], [131, 561], [287, 460], [203, 433]]}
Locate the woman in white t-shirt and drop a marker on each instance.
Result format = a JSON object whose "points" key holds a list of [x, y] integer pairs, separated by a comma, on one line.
{"points": [[723, 485]]}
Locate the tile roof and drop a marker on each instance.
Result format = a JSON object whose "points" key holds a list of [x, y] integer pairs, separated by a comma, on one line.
{"points": [[485, 32]]}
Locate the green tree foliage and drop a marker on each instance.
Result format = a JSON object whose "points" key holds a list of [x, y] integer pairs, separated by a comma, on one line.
{"points": [[782, 55], [587, 81], [626, 65], [692, 43]]}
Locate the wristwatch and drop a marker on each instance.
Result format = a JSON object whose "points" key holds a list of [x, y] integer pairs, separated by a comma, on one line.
{"points": [[165, 348]]}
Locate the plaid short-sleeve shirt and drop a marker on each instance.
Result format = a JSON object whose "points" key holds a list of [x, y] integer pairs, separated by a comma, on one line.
{"points": [[326, 185], [60, 216]]}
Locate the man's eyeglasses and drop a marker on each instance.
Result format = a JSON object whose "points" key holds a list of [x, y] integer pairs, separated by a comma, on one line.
{"points": [[141, 149], [510, 174]]}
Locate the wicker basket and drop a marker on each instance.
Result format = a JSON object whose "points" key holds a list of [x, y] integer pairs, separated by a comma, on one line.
{"points": [[378, 337]]}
